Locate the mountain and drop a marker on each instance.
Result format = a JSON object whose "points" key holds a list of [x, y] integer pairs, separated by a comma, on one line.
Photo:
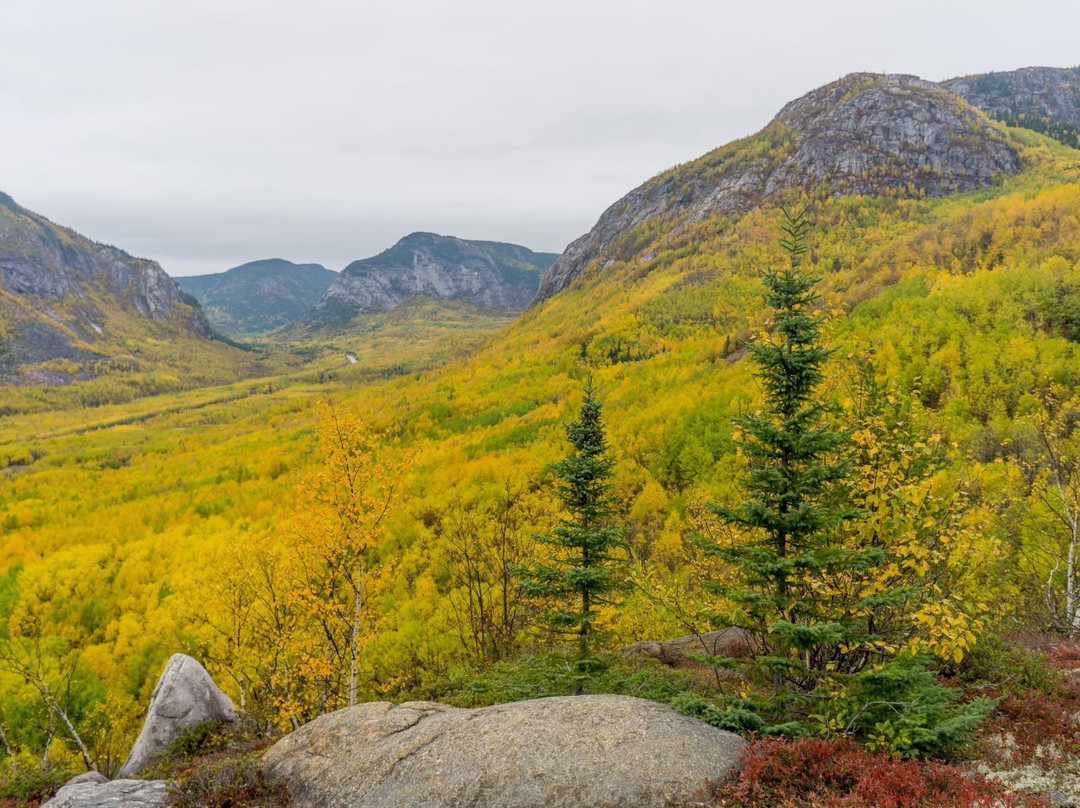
{"points": [[485, 274], [66, 298], [864, 134], [258, 296], [1044, 99]]}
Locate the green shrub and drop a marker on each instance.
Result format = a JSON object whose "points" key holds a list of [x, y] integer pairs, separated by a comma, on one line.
{"points": [[533, 676], [227, 781], [1007, 667], [899, 708], [200, 740], [33, 786]]}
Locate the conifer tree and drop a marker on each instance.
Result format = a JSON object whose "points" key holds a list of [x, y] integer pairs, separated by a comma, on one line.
{"points": [[791, 516], [810, 589], [582, 573]]}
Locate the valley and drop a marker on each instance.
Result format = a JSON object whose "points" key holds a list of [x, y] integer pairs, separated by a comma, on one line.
{"points": [[156, 481]]}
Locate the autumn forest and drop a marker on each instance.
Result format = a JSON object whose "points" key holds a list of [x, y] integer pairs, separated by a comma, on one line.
{"points": [[843, 423]]}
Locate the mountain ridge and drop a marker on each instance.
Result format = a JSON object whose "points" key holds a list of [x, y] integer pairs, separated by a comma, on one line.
{"points": [[485, 274], [61, 295], [258, 296], [1044, 99], [865, 133]]}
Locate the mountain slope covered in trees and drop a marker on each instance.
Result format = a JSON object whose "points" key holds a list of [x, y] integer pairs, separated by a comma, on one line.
{"points": [[1044, 99], [259, 296], [864, 134], [72, 310]]}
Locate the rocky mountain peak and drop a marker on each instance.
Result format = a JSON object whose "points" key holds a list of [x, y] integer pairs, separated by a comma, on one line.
{"points": [[59, 291], [486, 274], [869, 133], [864, 134]]}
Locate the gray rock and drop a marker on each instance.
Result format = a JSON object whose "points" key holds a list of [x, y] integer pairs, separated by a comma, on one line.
{"points": [[87, 777], [572, 751], [1046, 99], [864, 134], [42, 263], [118, 793], [425, 265], [680, 652], [185, 695]]}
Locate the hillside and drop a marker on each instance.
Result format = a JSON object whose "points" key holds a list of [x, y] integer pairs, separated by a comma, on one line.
{"points": [[484, 274], [82, 322], [864, 134], [63, 297], [259, 296], [1043, 99], [959, 300]]}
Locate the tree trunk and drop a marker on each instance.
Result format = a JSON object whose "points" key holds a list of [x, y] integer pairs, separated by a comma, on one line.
{"points": [[10, 754], [354, 640]]}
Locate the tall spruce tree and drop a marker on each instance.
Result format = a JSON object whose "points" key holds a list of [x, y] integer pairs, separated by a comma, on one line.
{"points": [[802, 568], [792, 516], [582, 573]]}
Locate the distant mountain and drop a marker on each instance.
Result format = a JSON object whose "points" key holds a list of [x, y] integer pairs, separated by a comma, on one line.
{"points": [[259, 296], [865, 134], [485, 274], [1045, 99], [66, 299]]}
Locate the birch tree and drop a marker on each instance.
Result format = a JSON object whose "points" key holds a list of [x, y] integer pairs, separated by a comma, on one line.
{"points": [[344, 504], [1052, 545]]}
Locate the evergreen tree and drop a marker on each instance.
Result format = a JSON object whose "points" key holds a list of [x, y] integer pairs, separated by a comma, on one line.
{"points": [[811, 590], [582, 573], [791, 516]]}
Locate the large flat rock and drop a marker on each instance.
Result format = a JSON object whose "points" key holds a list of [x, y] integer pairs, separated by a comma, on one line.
{"points": [[119, 793], [563, 752]]}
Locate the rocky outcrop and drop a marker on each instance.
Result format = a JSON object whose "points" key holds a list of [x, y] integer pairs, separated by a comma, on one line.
{"points": [[118, 794], [41, 259], [258, 296], [59, 292], [864, 134], [185, 695], [681, 652], [869, 134], [1046, 99], [425, 265], [568, 752]]}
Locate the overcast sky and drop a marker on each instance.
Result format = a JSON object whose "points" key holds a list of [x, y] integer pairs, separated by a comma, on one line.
{"points": [[204, 134]]}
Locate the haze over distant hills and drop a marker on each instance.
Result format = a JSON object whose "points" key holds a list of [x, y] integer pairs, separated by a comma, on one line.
{"points": [[70, 306], [485, 274], [259, 296]]}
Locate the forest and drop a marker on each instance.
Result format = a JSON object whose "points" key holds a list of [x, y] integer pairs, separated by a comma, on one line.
{"points": [[850, 432]]}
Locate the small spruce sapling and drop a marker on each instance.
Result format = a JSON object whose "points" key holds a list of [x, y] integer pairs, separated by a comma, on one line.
{"points": [[582, 572]]}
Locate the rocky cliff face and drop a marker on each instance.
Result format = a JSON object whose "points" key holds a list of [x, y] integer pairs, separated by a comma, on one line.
{"points": [[1046, 99], [258, 296], [486, 274], [59, 292], [866, 133]]}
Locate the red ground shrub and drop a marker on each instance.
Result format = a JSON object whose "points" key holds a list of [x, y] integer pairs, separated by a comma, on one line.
{"points": [[1063, 656], [814, 773]]}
